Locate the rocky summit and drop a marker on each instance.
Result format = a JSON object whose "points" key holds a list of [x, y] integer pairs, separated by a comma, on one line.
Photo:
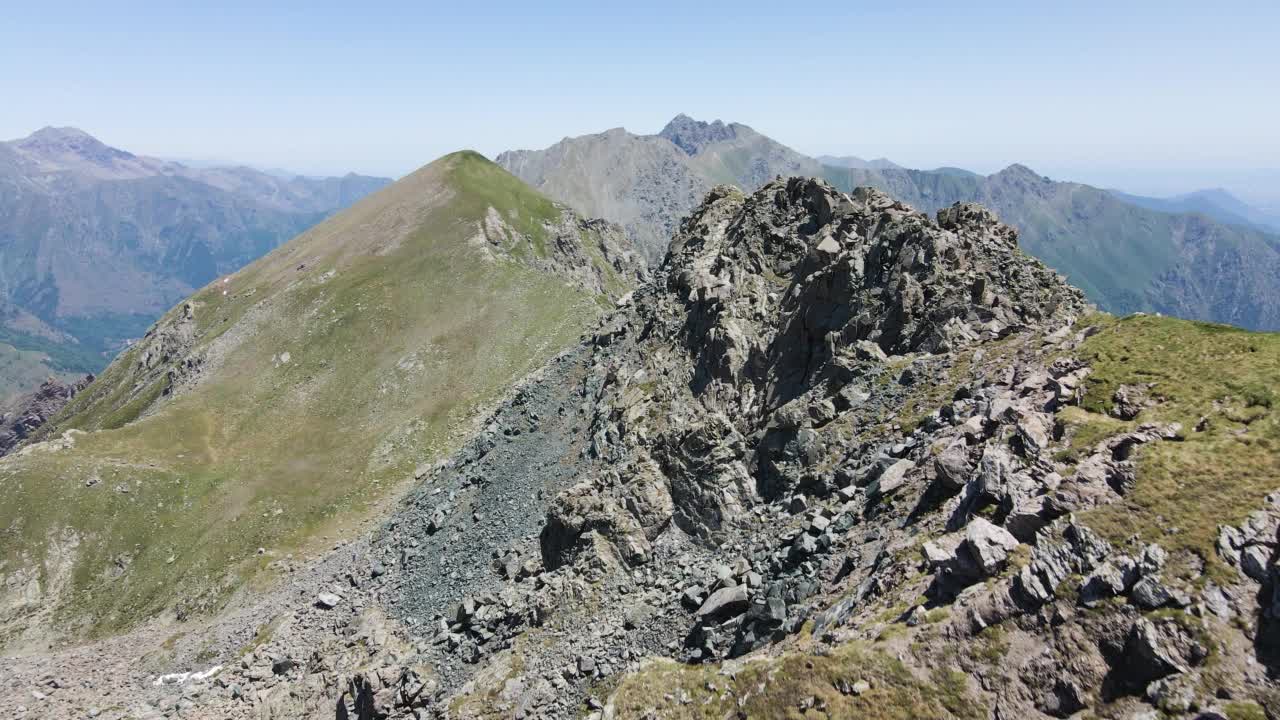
{"points": [[835, 458]]}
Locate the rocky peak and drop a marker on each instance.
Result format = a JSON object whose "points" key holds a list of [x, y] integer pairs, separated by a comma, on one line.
{"points": [[847, 268], [55, 143], [692, 136]]}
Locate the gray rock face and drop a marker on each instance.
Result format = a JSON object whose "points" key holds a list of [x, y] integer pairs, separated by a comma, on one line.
{"points": [[35, 409], [979, 552], [1158, 649], [594, 255], [693, 136], [725, 602]]}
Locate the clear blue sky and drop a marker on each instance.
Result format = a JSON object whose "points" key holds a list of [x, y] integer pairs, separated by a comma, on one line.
{"points": [[385, 87]]}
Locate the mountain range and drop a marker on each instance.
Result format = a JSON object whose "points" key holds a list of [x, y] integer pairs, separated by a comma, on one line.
{"points": [[96, 242], [1215, 203], [1128, 255], [456, 452]]}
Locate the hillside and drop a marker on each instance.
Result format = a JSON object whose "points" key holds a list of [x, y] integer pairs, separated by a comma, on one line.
{"points": [[837, 458], [1125, 256], [97, 242], [278, 406]]}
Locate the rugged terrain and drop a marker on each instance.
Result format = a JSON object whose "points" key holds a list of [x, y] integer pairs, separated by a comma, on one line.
{"points": [[283, 404], [1185, 260], [97, 242], [838, 458]]}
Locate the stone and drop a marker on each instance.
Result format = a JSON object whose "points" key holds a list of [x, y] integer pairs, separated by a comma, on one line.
{"points": [[1156, 650], [1150, 593], [1028, 517], [952, 466], [327, 600], [692, 596], [803, 546], [1254, 560], [1035, 432], [1107, 580], [893, 477], [723, 603], [988, 545]]}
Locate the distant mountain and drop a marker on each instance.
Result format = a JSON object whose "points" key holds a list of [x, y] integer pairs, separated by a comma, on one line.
{"points": [[956, 171], [852, 161], [95, 242], [1126, 256], [647, 183], [1215, 203]]}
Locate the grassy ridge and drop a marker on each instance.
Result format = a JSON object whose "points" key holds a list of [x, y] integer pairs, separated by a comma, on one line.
{"points": [[394, 341], [1220, 377], [787, 686]]}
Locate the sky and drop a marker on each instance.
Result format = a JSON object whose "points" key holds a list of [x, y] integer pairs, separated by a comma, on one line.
{"points": [[1076, 90]]}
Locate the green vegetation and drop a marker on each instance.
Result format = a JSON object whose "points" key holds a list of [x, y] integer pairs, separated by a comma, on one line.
{"points": [[798, 685], [60, 357], [1198, 372], [992, 644], [395, 340], [1244, 710], [20, 370], [480, 185]]}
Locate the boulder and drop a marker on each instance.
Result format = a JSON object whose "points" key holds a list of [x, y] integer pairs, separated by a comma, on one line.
{"points": [[892, 478], [952, 466], [724, 603], [987, 545], [1158, 649], [1150, 593]]}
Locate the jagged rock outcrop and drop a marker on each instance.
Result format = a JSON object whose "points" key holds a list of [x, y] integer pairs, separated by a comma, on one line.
{"points": [[34, 410]]}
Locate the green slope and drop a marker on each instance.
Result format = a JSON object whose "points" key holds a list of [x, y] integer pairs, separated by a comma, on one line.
{"points": [[301, 392]]}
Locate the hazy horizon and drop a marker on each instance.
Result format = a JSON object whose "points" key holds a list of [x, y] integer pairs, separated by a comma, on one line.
{"points": [[1148, 97]]}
